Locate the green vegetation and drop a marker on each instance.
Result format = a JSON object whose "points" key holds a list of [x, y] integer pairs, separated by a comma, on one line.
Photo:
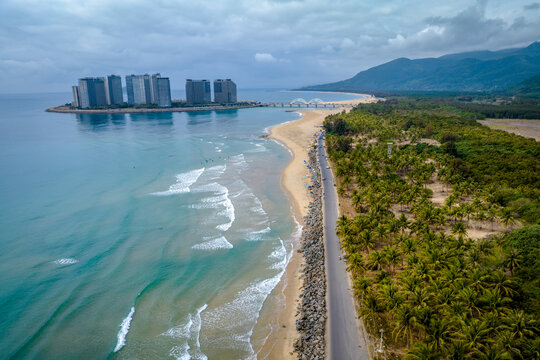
{"points": [[520, 108], [528, 88], [437, 292], [473, 71]]}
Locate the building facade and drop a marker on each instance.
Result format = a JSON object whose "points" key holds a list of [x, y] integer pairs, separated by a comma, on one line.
{"points": [[75, 90], [198, 92], [163, 92], [138, 89], [91, 92], [113, 90], [154, 88], [224, 91]]}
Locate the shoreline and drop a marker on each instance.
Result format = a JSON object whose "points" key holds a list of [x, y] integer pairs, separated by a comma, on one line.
{"points": [[365, 96], [66, 110], [297, 136]]}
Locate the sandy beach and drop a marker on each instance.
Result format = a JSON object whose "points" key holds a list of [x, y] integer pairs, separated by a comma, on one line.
{"points": [[297, 136]]}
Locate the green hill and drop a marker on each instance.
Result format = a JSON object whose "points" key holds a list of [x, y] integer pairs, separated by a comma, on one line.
{"points": [[471, 72], [528, 88]]}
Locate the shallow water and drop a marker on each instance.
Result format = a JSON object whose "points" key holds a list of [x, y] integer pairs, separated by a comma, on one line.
{"points": [[139, 236]]}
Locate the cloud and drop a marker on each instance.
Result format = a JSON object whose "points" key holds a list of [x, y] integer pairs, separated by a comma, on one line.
{"points": [[532, 6], [347, 44], [265, 57], [51, 44]]}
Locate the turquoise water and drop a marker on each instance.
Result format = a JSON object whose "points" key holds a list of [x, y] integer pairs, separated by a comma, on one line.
{"points": [[142, 235]]}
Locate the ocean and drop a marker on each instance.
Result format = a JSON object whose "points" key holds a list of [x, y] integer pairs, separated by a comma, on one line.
{"points": [[141, 236]]}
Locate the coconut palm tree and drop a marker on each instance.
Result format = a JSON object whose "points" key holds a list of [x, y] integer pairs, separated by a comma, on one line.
{"points": [[438, 332], [459, 229], [423, 351], [457, 350], [502, 283], [393, 257], [507, 217], [370, 311], [404, 323], [376, 260], [521, 325], [474, 333], [492, 352], [512, 261], [494, 301], [356, 264]]}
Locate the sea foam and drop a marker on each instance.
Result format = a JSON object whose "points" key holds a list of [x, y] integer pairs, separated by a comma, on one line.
{"points": [[219, 200], [124, 329], [183, 183], [66, 261], [188, 333], [215, 244]]}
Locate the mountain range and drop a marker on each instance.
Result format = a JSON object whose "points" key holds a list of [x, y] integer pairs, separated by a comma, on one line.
{"points": [[468, 71]]}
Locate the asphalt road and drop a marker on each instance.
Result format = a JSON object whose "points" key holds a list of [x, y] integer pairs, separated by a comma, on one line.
{"points": [[345, 339]]}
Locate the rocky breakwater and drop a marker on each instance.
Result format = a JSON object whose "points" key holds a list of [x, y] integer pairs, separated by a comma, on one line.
{"points": [[311, 313]]}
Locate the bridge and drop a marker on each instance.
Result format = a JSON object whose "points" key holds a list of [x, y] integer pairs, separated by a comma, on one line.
{"points": [[299, 102]]}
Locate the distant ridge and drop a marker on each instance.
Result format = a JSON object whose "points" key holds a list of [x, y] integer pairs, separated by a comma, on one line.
{"points": [[469, 71]]}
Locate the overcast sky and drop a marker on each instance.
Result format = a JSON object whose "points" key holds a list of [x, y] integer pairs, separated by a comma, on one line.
{"points": [[45, 46]]}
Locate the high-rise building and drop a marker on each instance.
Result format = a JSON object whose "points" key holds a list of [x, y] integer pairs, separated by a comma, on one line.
{"points": [[138, 89], [163, 92], [75, 90], [198, 92], [224, 91], [113, 90], [129, 89], [91, 92], [153, 88]]}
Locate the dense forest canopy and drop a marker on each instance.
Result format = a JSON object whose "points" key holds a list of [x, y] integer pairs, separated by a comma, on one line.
{"points": [[435, 291]]}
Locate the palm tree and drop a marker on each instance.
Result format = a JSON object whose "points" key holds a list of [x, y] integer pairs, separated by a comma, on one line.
{"points": [[522, 325], [469, 298], [370, 310], [376, 260], [422, 351], [474, 333], [438, 332], [457, 350], [361, 285], [502, 283], [366, 241], [392, 257], [405, 321], [356, 263], [512, 261], [492, 352], [390, 296], [492, 215], [419, 297], [494, 301], [507, 217], [459, 228]]}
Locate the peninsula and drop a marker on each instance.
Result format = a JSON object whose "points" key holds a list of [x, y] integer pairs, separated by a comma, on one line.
{"points": [[131, 110]]}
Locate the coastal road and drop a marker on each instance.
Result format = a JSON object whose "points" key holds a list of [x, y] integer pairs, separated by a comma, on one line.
{"points": [[345, 338]]}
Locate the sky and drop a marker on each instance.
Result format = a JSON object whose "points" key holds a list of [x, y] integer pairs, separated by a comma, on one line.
{"points": [[45, 46]]}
